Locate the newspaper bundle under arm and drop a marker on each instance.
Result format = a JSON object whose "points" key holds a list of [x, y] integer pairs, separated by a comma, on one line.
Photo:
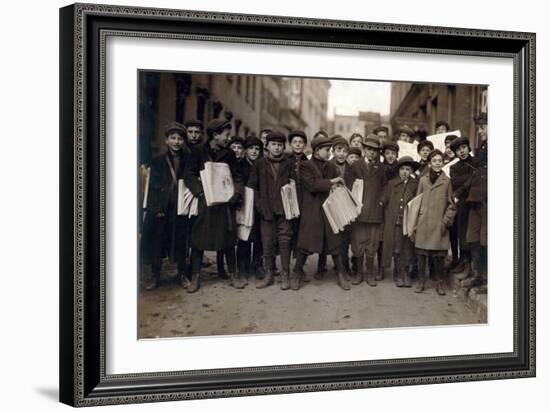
{"points": [[187, 202], [410, 215], [438, 140], [447, 167], [341, 208], [217, 183], [289, 198], [357, 191], [245, 215]]}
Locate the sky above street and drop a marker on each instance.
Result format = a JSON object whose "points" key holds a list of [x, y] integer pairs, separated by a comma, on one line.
{"points": [[349, 97]]}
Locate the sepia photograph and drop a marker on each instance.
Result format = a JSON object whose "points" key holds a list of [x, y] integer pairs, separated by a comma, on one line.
{"points": [[288, 204]]}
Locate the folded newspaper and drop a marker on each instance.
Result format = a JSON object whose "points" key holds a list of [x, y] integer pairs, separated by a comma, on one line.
{"points": [[410, 215], [217, 183], [245, 215], [408, 149], [188, 204], [290, 200], [438, 140], [357, 191], [341, 208]]}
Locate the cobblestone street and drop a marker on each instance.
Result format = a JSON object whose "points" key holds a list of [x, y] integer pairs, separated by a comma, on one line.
{"points": [[219, 309]]}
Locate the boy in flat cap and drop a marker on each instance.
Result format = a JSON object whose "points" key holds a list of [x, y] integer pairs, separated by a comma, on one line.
{"points": [[164, 230], [249, 253], [215, 227], [436, 215], [194, 130], [461, 173], [398, 192], [365, 231], [424, 148], [268, 175], [315, 234], [405, 134], [354, 154], [389, 154]]}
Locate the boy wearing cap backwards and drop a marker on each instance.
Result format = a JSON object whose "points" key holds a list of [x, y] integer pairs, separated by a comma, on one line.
{"points": [[398, 192], [164, 230], [461, 174], [365, 231], [436, 214], [249, 253], [215, 227], [194, 130], [424, 148], [267, 176], [297, 140], [315, 235]]}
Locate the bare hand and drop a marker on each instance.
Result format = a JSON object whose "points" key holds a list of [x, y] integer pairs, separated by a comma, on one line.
{"points": [[337, 180]]}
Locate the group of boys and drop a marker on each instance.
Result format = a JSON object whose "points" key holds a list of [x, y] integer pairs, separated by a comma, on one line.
{"points": [[264, 165]]}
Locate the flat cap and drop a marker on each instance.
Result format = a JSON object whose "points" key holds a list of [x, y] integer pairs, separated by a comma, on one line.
{"points": [[381, 128], [194, 123], [297, 133], [450, 138], [460, 141], [407, 161], [337, 139], [391, 145], [275, 136], [355, 150], [407, 130], [320, 141], [236, 139], [175, 126], [217, 125], [253, 141]]}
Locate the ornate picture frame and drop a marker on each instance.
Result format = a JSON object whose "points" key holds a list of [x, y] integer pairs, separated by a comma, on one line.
{"points": [[84, 29]]}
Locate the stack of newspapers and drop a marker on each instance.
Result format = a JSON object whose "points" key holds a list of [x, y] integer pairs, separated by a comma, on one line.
{"points": [[217, 183], [290, 200], [410, 215], [188, 204], [245, 215], [357, 192], [341, 208]]}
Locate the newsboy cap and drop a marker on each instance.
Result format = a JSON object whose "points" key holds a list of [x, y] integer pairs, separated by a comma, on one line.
{"points": [[355, 150], [236, 139], [390, 145], [320, 141], [381, 128], [460, 141], [275, 136], [372, 141], [321, 132], [217, 125], [406, 130], [407, 161], [253, 141], [425, 143], [194, 123], [297, 133], [450, 138], [337, 139], [174, 126]]}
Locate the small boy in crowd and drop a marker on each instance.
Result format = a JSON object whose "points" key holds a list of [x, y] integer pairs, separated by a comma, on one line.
{"points": [[405, 134], [356, 141], [165, 232], [194, 130], [366, 230], [268, 175], [354, 154], [436, 215], [449, 154], [382, 132], [398, 192], [236, 143], [424, 149], [390, 164]]}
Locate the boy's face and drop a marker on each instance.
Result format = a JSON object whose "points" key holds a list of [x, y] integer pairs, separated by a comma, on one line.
{"points": [[222, 138], [297, 145], [436, 163], [175, 141], [352, 158], [238, 149], [441, 130], [371, 153], [482, 131], [275, 148], [390, 156], [382, 135], [450, 153], [323, 153], [263, 137], [424, 152], [405, 137], [356, 142], [340, 153], [463, 151], [405, 172], [253, 152], [194, 135]]}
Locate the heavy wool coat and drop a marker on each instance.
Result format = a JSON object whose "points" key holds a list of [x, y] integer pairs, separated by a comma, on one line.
{"points": [[396, 196], [314, 226], [374, 180], [296, 160], [266, 186], [437, 213], [164, 235], [215, 227]]}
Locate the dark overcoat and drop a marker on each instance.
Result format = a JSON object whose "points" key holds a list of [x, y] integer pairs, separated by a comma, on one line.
{"points": [[477, 203], [374, 180], [164, 235], [396, 196], [347, 175], [437, 213], [392, 170], [296, 160], [245, 168], [314, 226], [215, 227]]}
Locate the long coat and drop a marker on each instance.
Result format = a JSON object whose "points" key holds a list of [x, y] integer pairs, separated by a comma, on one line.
{"points": [[477, 202], [314, 226], [374, 180], [166, 235], [436, 214], [396, 196], [264, 184], [296, 160], [215, 227]]}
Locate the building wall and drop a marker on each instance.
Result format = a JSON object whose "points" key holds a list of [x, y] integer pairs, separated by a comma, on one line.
{"points": [[347, 125]]}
